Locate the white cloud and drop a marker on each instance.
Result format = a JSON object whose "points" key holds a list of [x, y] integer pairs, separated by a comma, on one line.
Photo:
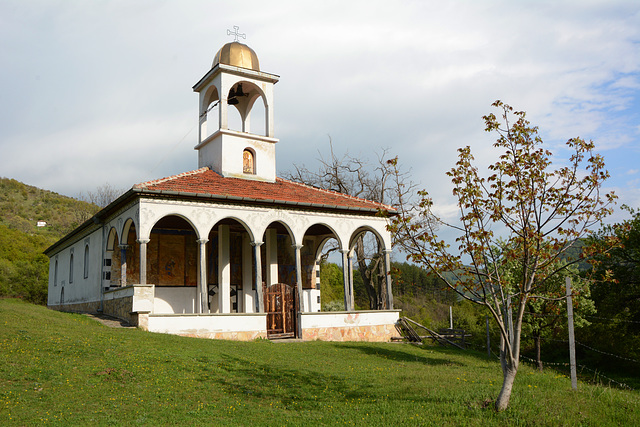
{"points": [[414, 77]]}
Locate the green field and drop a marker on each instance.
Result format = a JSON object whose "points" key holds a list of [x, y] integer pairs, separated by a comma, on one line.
{"points": [[67, 369]]}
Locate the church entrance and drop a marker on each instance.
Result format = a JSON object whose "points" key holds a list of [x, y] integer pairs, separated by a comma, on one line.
{"points": [[280, 306]]}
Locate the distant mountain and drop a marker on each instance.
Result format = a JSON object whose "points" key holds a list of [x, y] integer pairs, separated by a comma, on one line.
{"points": [[31, 219]]}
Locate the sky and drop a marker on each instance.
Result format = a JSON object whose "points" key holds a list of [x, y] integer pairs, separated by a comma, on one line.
{"points": [[95, 92]]}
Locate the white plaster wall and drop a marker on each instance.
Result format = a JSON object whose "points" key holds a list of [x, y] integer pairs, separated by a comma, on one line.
{"points": [[82, 289], [310, 298], [127, 291], [340, 319], [178, 299], [222, 151], [207, 323]]}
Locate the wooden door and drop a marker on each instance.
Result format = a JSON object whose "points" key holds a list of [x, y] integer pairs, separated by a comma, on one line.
{"points": [[280, 306]]}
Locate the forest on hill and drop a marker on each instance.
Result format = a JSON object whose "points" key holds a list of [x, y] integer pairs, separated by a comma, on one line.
{"points": [[24, 268]]}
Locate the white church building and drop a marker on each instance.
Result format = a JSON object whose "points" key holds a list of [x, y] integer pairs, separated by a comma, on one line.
{"points": [[228, 250]]}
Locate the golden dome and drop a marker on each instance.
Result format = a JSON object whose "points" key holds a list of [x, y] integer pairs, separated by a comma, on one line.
{"points": [[237, 55]]}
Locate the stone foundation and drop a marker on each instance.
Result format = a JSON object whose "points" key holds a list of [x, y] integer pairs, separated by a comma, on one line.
{"points": [[81, 307], [120, 308], [372, 333]]}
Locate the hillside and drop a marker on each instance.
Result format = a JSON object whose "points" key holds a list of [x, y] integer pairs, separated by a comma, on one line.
{"points": [[22, 206], [23, 266], [68, 369]]}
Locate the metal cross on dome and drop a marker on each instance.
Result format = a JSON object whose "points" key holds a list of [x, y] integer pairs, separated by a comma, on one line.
{"points": [[235, 33]]}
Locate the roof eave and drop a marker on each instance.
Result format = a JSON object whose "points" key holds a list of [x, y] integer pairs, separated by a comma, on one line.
{"points": [[262, 201]]}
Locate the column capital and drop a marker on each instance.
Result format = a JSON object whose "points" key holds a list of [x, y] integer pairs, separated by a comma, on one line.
{"points": [[203, 241], [143, 241], [297, 246], [124, 247], [344, 251], [387, 251], [256, 243]]}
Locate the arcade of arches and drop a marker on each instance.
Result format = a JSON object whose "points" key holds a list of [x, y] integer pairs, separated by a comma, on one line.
{"points": [[228, 265]]}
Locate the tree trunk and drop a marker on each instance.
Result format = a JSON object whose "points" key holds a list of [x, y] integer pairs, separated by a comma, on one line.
{"points": [[502, 401], [538, 341], [366, 274]]}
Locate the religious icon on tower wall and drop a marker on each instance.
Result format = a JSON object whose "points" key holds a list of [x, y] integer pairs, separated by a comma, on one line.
{"points": [[247, 162]]}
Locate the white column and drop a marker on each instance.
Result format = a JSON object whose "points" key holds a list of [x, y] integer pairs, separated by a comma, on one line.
{"points": [[345, 278], [143, 260], [248, 304], [257, 259], [299, 288], [202, 305], [387, 270], [123, 264], [224, 87], [352, 303], [272, 256], [224, 270], [203, 123]]}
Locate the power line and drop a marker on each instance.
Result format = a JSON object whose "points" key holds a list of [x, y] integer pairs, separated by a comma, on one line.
{"points": [[613, 320], [608, 354], [599, 351]]}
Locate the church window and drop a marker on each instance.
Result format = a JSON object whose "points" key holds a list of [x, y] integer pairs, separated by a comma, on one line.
{"points": [[86, 261], [71, 269], [55, 274], [248, 162]]}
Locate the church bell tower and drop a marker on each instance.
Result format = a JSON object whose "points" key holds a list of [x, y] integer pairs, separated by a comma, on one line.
{"points": [[235, 81]]}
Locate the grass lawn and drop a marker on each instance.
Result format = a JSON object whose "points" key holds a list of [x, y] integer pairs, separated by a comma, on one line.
{"points": [[67, 369]]}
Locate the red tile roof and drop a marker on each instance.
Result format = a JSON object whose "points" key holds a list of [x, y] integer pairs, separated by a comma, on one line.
{"points": [[206, 183]]}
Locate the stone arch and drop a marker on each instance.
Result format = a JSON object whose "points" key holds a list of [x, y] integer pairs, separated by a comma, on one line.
{"points": [[208, 101], [112, 238], [315, 229], [278, 254], [127, 226], [230, 275], [368, 254], [172, 252], [242, 95], [317, 294], [181, 215], [362, 230], [210, 96]]}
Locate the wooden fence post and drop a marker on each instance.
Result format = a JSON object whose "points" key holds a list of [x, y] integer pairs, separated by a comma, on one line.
{"points": [[572, 341]]}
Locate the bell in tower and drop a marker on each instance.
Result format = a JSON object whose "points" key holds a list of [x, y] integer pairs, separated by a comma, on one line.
{"points": [[235, 81]]}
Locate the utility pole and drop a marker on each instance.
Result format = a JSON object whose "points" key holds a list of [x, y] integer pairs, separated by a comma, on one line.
{"points": [[572, 339]]}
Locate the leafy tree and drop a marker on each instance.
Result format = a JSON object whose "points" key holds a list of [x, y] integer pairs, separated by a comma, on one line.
{"points": [[332, 291], [616, 292], [535, 210], [546, 318]]}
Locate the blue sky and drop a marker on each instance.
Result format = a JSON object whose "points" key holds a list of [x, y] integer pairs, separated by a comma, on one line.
{"points": [[100, 91]]}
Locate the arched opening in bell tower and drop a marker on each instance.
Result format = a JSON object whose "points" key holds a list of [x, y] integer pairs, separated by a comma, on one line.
{"points": [[248, 115]]}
